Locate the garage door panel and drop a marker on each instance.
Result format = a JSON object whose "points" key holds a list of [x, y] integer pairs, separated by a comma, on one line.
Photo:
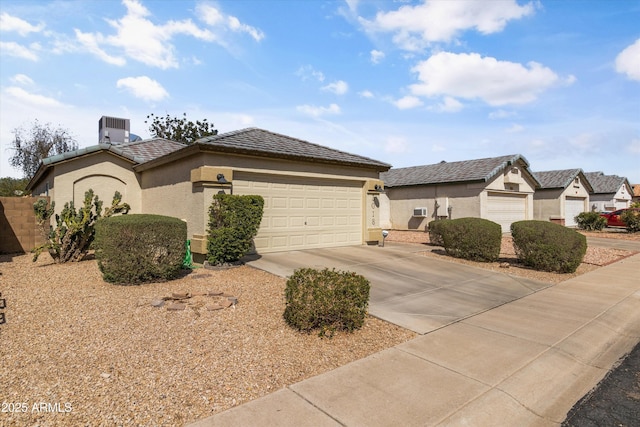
{"points": [[572, 207], [302, 213], [506, 209]]}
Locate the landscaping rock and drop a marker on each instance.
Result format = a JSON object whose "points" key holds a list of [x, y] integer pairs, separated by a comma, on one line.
{"points": [[157, 302], [233, 300], [214, 307], [181, 295], [176, 306]]}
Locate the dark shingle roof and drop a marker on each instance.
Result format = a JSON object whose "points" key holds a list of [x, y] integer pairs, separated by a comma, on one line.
{"points": [[603, 184], [557, 178], [146, 150], [260, 141], [450, 172]]}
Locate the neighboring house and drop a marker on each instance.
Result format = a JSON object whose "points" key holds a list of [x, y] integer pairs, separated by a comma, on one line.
{"points": [[563, 194], [610, 192], [499, 189], [315, 196]]}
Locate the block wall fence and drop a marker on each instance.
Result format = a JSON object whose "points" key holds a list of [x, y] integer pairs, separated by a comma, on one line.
{"points": [[19, 232]]}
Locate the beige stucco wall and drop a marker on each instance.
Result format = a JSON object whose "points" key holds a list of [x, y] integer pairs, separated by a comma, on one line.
{"points": [[102, 172], [168, 190]]}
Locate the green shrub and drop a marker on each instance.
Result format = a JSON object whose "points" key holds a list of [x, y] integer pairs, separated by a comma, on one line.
{"points": [[547, 246], [435, 231], [590, 221], [233, 223], [631, 220], [75, 230], [474, 239], [135, 249], [327, 300]]}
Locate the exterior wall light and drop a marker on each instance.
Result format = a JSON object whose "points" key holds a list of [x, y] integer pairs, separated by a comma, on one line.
{"points": [[222, 179]]}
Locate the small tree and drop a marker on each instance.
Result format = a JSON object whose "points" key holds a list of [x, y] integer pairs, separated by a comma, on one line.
{"points": [[41, 141], [75, 230], [233, 223], [10, 187], [179, 129]]}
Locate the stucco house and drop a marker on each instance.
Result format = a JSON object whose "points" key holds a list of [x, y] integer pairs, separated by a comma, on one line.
{"points": [[499, 189], [610, 192], [314, 196], [563, 194]]}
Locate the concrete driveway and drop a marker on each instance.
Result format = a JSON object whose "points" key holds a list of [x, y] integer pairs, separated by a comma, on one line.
{"points": [[408, 289]]}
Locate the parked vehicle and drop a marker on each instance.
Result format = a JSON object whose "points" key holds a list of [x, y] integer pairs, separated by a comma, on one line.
{"points": [[614, 218]]}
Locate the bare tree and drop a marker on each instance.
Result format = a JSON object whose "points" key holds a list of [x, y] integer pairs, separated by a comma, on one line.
{"points": [[32, 145]]}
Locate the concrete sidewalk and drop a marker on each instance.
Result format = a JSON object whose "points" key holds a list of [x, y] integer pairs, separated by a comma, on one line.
{"points": [[524, 363]]}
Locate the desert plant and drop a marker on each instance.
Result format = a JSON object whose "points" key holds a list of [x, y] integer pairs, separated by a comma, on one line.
{"points": [[135, 249], [435, 231], [590, 221], [475, 239], [631, 219], [547, 246], [75, 230], [327, 300], [233, 223]]}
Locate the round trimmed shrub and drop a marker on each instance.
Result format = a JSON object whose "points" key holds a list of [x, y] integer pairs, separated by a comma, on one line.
{"points": [[590, 221], [475, 239], [134, 249], [435, 231], [546, 246], [631, 219], [327, 300]]}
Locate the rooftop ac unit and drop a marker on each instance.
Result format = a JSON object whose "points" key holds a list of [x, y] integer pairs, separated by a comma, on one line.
{"points": [[420, 212]]}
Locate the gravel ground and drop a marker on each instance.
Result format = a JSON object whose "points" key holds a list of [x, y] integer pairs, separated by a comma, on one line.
{"points": [[78, 351], [508, 263], [99, 354]]}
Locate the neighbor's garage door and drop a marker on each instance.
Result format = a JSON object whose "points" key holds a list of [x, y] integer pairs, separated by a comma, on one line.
{"points": [[506, 208], [304, 213], [572, 207]]}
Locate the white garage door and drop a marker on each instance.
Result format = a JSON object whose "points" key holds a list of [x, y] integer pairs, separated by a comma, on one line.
{"points": [[505, 209], [621, 204], [304, 213], [572, 207]]}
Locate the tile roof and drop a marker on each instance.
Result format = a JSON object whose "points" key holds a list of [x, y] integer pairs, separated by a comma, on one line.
{"points": [[636, 190], [450, 172], [260, 141], [148, 149], [557, 178], [603, 184]]}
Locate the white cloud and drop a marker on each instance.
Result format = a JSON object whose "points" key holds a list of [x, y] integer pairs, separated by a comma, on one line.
{"points": [[91, 43], [22, 27], [376, 56], [515, 128], [415, 27], [408, 102], [628, 61], [31, 98], [315, 111], [449, 105], [396, 144], [144, 88], [634, 146], [18, 50], [22, 79], [215, 18], [307, 72], [366, 94], [471, 76], [339, 87], [501, 114], [586, 142]]}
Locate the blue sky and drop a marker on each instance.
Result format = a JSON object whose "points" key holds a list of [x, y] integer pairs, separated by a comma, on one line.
{"points": [[405, 82]]}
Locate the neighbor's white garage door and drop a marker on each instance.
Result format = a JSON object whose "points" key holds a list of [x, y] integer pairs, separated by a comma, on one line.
{"points": [[572, 207], [505, 209], [304, 213]]}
